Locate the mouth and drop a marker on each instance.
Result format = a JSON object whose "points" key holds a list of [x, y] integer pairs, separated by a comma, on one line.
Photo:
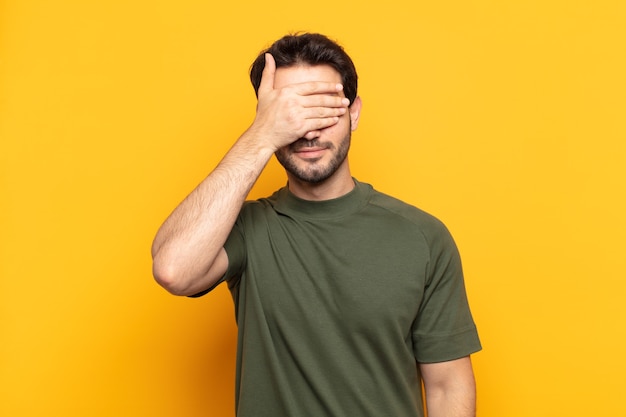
{"points": [[308, 149], [310, 152]]}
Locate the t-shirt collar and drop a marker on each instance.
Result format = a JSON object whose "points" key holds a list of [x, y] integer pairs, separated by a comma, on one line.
{"points": [[287, 203]]}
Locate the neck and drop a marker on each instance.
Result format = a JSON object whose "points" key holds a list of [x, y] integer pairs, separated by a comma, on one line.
{"points": [[337, 185]]}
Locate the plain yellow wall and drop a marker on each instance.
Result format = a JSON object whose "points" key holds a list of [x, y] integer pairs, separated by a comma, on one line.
{"points": [[506, 119]]}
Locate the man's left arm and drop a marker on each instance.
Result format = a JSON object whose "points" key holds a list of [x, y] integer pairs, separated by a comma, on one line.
{"points": [[450, 388]]}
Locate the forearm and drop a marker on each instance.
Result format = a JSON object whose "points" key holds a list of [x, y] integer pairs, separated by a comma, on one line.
{"points": [[192, 236], [187, 250], [460, 402], [450, 388]]}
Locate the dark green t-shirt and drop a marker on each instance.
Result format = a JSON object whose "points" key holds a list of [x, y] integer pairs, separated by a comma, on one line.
{"points": [[337, 300]]}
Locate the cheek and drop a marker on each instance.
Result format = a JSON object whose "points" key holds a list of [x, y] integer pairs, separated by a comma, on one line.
{"points": [[282, 152]]}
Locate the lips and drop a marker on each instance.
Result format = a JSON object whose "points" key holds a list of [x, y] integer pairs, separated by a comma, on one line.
{"points": [[309, 149], [312, 154]]}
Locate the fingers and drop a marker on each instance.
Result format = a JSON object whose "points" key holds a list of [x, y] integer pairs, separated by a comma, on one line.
{"points": [[314, 127], [324, 100], [267, 78], [322, 112], [318, 87], [292, 111], [313, 113]]}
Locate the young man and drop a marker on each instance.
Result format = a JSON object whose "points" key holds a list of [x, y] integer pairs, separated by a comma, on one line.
{"points": [[345, 298]]}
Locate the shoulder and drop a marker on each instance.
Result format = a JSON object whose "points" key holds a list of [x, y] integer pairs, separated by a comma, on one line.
{"points": [[411, 214], [413, 221], [262, 205]]}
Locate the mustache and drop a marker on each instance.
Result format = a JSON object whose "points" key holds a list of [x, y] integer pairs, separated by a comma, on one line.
{"points": [[306, 143]]}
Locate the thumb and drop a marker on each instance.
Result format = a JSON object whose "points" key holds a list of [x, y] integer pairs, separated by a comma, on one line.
{"points": [[267, 77]]}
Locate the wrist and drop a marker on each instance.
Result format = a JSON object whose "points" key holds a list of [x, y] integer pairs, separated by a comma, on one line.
{"points": [[258, 141]]}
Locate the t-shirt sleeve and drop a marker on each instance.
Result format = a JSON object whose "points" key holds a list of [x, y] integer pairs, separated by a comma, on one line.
{"points": [[444, 328], [235, 249]]}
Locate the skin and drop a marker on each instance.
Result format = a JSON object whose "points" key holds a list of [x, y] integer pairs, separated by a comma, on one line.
{"points": [[450, 388], [187, 252], [304, 119], [317, 165]]}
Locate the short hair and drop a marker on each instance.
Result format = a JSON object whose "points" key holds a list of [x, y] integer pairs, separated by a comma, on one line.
{"points": [[308, 49]]}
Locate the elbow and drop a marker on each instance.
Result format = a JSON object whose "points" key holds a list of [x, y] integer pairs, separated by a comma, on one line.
{"points": [[169, 277]]}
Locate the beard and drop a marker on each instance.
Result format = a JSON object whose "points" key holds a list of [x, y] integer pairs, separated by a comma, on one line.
{"points": [[313, 172]]}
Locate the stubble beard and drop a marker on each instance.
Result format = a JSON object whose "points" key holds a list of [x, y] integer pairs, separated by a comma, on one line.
{"points": [[313, 172]]}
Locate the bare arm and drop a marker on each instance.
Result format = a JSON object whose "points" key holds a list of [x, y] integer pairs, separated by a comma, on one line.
{"points": [[187, 252], [450, 388]]}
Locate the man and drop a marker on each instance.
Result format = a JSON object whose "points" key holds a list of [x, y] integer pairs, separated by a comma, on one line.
{"points": [[345, 298]]}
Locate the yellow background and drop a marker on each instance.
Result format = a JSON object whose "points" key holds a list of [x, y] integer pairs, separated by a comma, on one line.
{"points": [[504, 118]]}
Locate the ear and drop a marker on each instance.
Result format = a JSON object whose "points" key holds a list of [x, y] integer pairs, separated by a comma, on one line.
{"points": [[355, 113]]}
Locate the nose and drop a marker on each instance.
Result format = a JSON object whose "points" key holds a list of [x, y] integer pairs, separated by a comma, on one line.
{"points": [[313, 134]]}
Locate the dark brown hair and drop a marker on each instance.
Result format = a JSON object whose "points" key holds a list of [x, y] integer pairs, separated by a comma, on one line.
{"points": [[308, 49]]}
